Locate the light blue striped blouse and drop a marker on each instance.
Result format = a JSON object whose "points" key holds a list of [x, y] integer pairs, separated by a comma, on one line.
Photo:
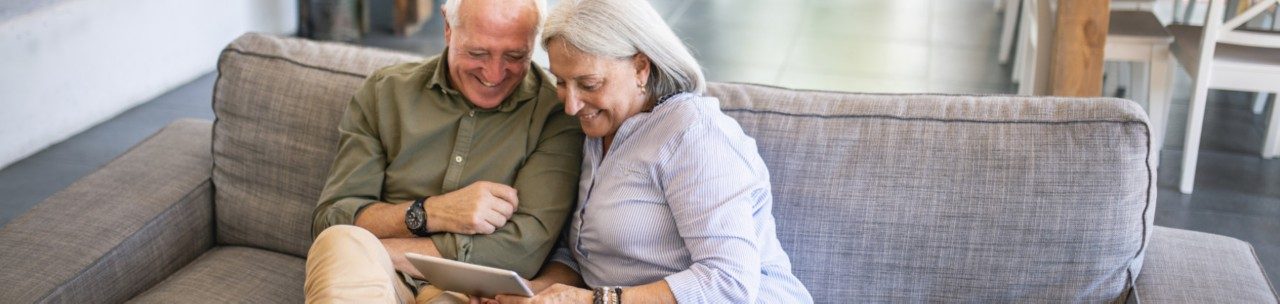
{"points": [[682, 196]]}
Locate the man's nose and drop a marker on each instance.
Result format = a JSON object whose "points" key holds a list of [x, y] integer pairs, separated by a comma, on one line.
{"points": [[493, 71]]}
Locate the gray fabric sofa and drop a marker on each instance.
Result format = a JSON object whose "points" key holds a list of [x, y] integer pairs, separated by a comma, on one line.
{"points": [[878, 198]]}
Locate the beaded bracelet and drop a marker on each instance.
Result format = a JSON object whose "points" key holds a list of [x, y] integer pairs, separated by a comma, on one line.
{"points": [[606, 295]]}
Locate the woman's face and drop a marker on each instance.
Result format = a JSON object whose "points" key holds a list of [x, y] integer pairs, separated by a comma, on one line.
{"points": [[601, 91]]}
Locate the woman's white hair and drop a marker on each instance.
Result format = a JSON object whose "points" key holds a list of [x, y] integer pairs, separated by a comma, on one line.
{"points": [[454, 19], [622, 28]]}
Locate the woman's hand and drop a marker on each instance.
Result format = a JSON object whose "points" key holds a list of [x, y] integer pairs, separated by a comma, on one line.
{"points": [[556, 293], [537, 285]]}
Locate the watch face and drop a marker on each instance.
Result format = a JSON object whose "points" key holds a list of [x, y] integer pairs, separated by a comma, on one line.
{"points": [[413, 219]]}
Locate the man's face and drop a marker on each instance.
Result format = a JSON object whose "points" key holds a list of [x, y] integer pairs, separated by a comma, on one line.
{"points": [[490, 50]]}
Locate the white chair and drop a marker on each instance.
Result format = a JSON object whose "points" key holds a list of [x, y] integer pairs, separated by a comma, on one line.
{"points": [[1133, 36], [1138, 37], [1220, 56], [1035, 39], [1011, 10]]}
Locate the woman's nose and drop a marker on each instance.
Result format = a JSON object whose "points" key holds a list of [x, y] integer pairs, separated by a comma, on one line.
{"points": [[571, 103]]}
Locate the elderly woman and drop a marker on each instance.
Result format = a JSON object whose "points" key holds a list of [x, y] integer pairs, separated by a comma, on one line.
{"points": [[674, 199]]}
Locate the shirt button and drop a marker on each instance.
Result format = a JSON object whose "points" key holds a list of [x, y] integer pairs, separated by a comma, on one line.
{"points": [[472, 113], [457, 159]]}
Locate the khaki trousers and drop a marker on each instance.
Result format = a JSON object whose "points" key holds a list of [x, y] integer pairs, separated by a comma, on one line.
{"points": [[347, 264]]}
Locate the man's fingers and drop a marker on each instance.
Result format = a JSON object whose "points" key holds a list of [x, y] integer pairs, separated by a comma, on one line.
{"points": [[503, 208], [504, 192], [495, 219]]}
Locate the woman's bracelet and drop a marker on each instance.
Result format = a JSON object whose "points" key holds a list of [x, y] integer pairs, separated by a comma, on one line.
{"points": [[607, 295]]}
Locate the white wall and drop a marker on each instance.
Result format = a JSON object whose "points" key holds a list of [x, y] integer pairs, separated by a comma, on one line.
{"points": [[71, 65]]}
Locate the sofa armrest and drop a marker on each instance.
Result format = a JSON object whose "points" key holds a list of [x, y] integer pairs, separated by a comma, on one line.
{"points": [[117, 231], [1194, 267]]}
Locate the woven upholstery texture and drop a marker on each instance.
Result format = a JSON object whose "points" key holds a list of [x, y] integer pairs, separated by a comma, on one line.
{"points": [[278, 103], [911, 198]]}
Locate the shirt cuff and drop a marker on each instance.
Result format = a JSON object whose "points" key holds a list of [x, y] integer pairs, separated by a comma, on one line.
{"points": [[344, 211], [453, 246], [685, 286]]}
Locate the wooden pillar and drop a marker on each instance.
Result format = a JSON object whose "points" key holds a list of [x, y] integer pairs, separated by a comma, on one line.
{"points": [[1078, 44]]}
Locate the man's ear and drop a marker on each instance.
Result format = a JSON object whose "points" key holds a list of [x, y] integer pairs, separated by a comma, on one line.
{"points": [[641, 63], [447, 29]]}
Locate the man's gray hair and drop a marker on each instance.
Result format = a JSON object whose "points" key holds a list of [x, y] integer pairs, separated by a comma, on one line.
{"points": [[452, 17], [622, 28]]}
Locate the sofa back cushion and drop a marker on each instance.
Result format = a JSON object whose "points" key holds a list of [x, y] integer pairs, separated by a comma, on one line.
{"points": [[278, 102], [935, 198]]}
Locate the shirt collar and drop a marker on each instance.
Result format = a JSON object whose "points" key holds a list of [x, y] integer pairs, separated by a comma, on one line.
{"points": [[525, 91]]}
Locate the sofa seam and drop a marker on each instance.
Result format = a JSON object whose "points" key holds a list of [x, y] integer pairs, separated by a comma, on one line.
{"points": [[213, 151], [1146, 233], [185, 198], [290, 60], [894, 117], [877, 93]]}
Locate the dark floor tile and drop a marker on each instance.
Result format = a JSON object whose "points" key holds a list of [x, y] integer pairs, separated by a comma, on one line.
{"points": [[195, 97], [1257, 230], [1269, 255], [113, 137], [29, 181], [1218, 200], [1238, 173]]}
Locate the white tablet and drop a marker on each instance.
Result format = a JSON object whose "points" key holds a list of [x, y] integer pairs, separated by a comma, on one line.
{"points": [[469, 279]]}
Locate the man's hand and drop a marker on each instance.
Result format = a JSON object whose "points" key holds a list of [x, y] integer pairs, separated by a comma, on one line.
{"points": [[479, 208]]}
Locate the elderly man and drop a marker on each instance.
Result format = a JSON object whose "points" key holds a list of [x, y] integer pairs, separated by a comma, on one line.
{"points": [[467, 156]]}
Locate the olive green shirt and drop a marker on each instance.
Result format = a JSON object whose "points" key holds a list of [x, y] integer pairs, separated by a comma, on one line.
{"points": [[407, 134]]}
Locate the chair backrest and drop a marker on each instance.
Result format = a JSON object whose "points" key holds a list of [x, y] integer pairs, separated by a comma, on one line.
{"points": [[1218, 30]]}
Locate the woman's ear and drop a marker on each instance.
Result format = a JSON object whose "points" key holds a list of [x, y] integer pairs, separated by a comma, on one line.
{"points": [[641, 63]]}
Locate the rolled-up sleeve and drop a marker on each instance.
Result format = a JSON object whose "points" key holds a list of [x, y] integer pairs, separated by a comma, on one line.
{"points": [[355, 178], [711, 190], [547, 187]]}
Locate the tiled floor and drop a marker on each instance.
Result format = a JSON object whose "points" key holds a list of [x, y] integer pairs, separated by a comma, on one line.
{"points": [[942, 46]]}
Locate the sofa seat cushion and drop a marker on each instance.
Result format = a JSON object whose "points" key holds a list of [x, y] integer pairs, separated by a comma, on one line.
{"points": [[1185, 266], [230, 274]]}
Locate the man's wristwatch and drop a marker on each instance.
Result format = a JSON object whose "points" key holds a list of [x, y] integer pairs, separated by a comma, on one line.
{"points": [[416, 218]]}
